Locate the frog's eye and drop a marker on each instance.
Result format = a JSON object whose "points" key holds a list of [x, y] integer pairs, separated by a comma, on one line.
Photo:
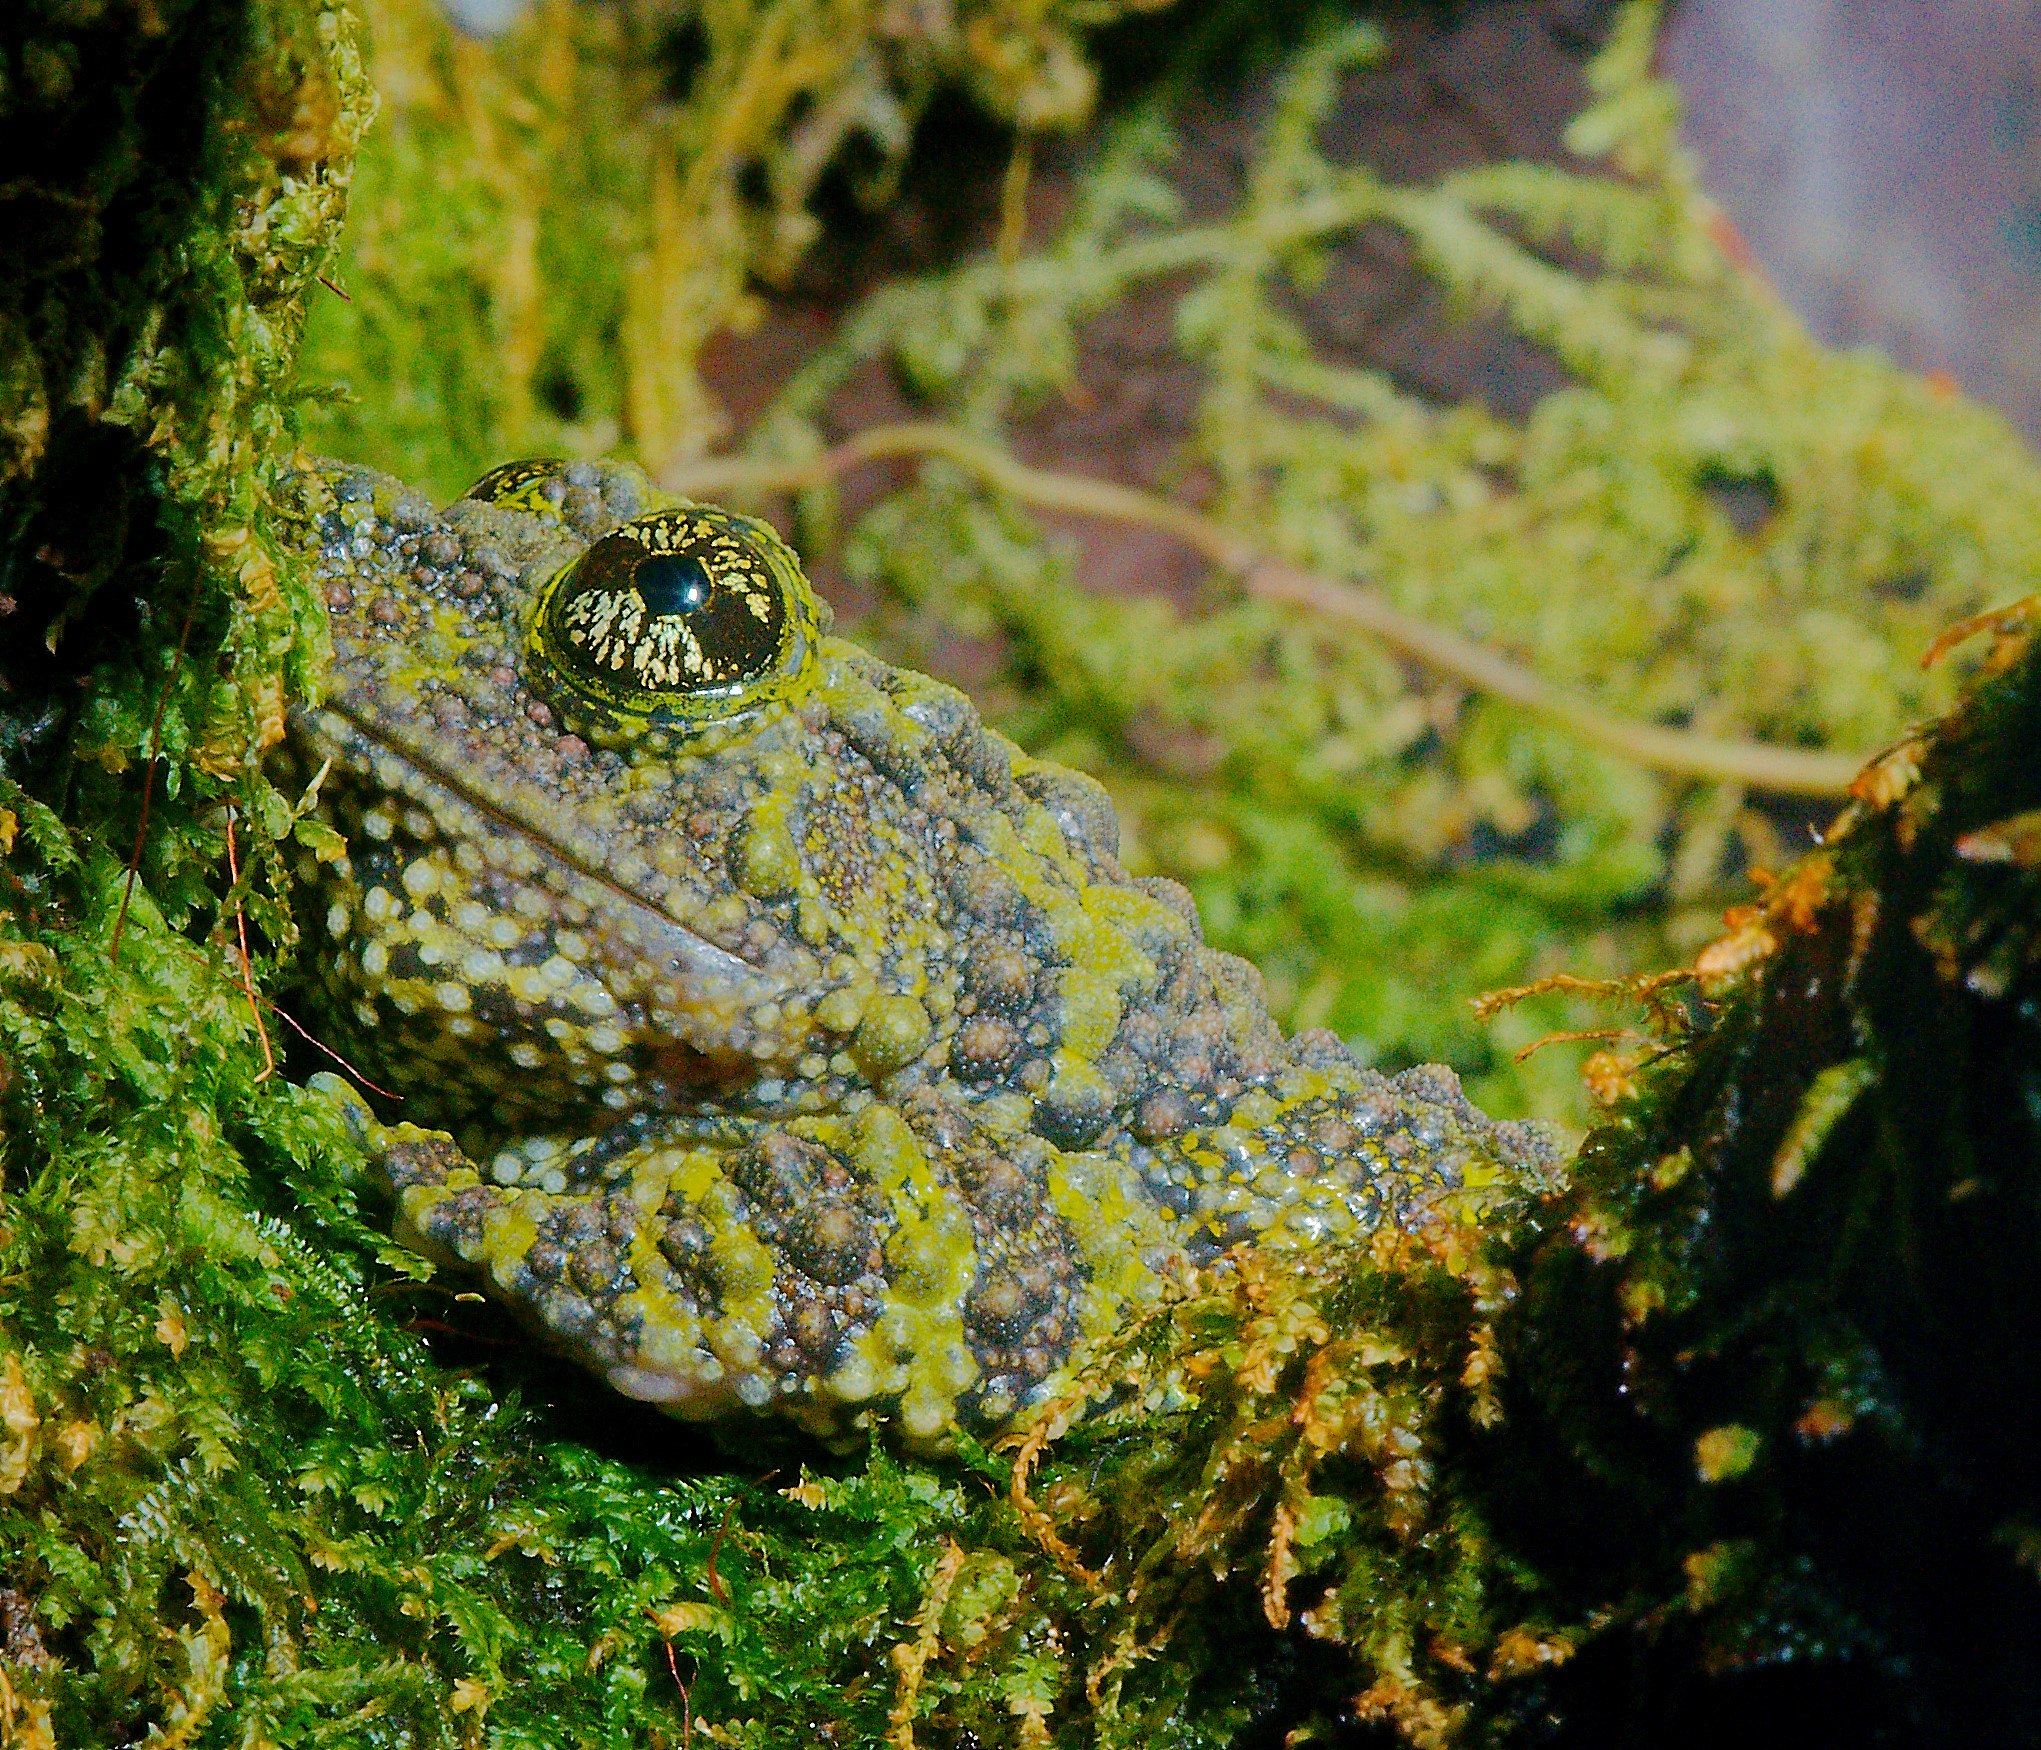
{"points": [[680, 616]]}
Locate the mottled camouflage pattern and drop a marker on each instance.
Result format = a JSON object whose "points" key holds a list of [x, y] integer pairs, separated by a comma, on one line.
{"points": [[816, 1055]]}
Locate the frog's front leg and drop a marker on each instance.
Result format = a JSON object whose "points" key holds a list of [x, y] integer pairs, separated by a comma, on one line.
{"points": [[913, 1263]]}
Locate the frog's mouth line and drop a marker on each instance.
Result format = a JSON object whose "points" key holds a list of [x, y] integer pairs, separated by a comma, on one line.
{"points": [[690, 954]]}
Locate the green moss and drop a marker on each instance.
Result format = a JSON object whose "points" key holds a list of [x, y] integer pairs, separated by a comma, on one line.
{"points": [[1771, 1347], [552, 226], [259, 1482]]}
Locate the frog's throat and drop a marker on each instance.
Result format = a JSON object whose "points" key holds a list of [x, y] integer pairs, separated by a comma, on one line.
{"points": [[708, 989]]}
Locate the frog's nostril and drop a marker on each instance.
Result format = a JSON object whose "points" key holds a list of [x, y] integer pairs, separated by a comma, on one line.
{"points": [[694, 1074]]}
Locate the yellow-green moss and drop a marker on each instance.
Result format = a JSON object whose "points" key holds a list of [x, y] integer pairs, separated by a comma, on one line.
{"points": [[552, 225]]}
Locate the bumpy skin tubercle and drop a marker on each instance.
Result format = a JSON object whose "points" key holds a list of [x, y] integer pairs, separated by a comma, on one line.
{"points": [[772, 1034]]}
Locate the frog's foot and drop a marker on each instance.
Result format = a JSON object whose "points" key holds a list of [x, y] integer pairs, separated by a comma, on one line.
{"points": [[822, 1269], [1331, 1152], [563, 1263], [402, 1154]]}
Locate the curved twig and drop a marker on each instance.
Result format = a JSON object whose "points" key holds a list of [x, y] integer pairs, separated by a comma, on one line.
{"points": [[1760, 765]]}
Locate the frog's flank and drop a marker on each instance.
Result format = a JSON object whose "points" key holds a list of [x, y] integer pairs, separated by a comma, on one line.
{"points": [[769, 1033]]}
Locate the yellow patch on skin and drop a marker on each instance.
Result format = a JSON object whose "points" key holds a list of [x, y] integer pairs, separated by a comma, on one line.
{"points": [[892, 1034], [768, 860]]}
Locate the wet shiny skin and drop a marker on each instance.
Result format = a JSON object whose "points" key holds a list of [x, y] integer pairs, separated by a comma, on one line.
{"points": [[797, 1045]]}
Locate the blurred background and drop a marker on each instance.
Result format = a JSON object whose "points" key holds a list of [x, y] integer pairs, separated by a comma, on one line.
{"points": [[1882, 159], [1666, 355]]}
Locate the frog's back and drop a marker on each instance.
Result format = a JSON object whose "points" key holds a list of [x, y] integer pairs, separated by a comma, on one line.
{"points": [[810, 1049]]}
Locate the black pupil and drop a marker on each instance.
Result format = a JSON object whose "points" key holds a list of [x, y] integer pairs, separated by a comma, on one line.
{"points": [[671, 583]]}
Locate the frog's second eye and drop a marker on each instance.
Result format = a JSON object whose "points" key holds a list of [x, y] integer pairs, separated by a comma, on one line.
{"points": [[523, 485], [678, 616]]}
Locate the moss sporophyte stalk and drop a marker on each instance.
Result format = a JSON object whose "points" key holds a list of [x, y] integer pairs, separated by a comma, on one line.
{"points": [[269, 1477]]}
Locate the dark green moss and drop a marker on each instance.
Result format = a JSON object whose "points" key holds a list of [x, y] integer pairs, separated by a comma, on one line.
{"points": [[1772, 1405]]}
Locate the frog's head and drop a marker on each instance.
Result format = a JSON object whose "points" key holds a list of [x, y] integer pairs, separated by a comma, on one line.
{"points": [[616, 805]]}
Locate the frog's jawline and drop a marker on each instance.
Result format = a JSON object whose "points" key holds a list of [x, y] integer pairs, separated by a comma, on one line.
{"points": [[702, 954]]}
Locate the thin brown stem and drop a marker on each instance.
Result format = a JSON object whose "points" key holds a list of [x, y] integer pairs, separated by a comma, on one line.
{"points": [[312, 1039], [247, 963], [1682, 753]]}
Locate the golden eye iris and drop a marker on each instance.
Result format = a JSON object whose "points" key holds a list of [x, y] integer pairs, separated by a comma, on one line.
{"points": [[681, 616]]}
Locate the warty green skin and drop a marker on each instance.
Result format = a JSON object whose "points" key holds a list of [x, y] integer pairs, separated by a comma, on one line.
{"points": [[821, 1061]]}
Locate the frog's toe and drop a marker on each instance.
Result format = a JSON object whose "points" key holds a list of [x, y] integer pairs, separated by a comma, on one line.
{"points": [[449, 1224], [412, 1157], [403, 1154], [353, 1109]]}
